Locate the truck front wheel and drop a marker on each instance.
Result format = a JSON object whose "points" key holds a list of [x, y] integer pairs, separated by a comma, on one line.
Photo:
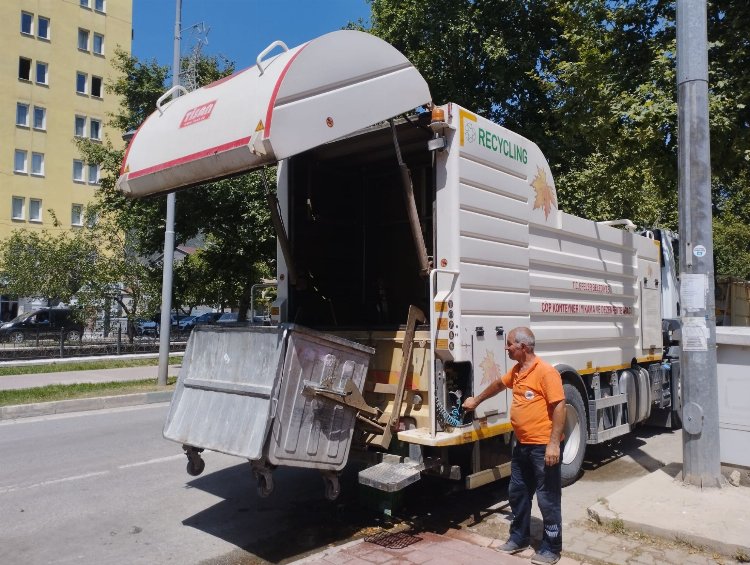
{"points": [[574, 445]]}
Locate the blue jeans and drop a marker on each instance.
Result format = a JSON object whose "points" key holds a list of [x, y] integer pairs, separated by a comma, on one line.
{"points": [[529, 474]]}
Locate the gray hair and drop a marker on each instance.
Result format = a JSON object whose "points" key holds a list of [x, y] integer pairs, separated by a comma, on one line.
{"points": [[525, 336]]}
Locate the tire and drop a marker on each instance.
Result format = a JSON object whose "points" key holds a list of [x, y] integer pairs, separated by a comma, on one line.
{"points": [[16, 337], [195, 466], [73, 335], [575, 430]]}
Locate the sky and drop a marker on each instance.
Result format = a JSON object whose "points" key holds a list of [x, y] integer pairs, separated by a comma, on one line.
{"points": [[237, 29]]}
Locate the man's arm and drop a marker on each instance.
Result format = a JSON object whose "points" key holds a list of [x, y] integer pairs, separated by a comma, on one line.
{"points": [[552, 453], [492, 389]]}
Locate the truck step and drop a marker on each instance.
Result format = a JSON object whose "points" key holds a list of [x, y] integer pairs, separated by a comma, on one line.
{"points": [[390, 477]]}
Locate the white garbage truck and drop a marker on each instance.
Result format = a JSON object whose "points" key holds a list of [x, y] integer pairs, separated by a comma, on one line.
{"points": [[412, 238]]}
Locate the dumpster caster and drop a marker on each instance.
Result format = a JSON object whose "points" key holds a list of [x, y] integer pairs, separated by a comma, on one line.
{"points": [[195, 464], [264, 477], [332, 485]]}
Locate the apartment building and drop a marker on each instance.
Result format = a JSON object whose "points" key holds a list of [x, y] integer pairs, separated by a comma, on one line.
{"points": [[57, 57]]}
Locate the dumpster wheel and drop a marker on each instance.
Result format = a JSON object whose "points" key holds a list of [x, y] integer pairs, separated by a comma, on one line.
{"points": [[195, 463], [263, 474], [332, 485]]}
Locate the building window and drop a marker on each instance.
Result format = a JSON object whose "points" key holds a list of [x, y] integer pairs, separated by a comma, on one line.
{"points": [[85, 3], [78, 170], [81, 83], [24, 68], [43, 27], [99, 5], [35, 210], [27, 23], [98, 44], [83, 39], [17, 208], [19, 161], [22, 114], [95, 129], [37, 164], [40, 118], [93, 174], [96, 86], [76, 215], [41, 73], [80, 126]]}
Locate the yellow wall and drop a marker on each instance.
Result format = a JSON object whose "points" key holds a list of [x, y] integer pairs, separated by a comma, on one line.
{"points": [[56, 188]]}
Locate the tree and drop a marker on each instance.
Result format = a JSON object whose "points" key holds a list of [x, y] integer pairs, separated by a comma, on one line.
{"points": [[87, 266], [593, 83], [230, 216]]}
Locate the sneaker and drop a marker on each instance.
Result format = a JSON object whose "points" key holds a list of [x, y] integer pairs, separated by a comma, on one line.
{"points": [[546, 558], [510, 547]]}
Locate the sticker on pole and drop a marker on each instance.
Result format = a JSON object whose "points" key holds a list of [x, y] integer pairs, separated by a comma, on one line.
{"points": [[699, 250], [695, 334]]}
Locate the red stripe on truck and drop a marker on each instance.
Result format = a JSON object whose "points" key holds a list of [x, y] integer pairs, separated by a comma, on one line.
{"points": [[188, 158], [272, 101]]}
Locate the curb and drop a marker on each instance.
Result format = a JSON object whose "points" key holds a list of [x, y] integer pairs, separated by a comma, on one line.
{"points": [[602, 514], [82, 404]]}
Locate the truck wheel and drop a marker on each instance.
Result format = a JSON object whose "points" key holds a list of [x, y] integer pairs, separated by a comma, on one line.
{"points": [[73, 335], [575, 435]]}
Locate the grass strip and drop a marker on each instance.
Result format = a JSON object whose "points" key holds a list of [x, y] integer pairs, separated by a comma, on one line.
{"points": [[50, 393], [58, 367]]}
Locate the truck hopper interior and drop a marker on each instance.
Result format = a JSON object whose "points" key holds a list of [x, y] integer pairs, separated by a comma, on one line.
{"points": [[349, 230]]}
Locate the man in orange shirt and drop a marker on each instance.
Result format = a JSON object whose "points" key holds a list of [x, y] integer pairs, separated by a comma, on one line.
{"points": [[538, 416]]}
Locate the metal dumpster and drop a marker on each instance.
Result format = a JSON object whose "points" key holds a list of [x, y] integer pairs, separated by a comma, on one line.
{"points": [[246, 391]]}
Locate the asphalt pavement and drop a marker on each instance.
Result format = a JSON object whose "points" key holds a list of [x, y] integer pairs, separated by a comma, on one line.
{"points": [[653, 519]]}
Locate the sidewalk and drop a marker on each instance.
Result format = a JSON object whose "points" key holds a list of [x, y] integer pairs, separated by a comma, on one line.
{"points": [[16, 382]]}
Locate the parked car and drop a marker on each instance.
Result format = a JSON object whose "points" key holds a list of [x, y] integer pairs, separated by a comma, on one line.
{"points": [[186, 324], [146, 327], [227, 318], [44, 323], [207, 318]]}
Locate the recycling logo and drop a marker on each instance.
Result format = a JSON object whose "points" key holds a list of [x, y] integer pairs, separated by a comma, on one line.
{"points": [[469, 133]]}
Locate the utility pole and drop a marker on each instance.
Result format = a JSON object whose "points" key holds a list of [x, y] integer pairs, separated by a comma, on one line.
{"points": [[700, 404], [166, 280]]}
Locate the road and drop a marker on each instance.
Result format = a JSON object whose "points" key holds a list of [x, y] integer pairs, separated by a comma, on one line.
{"points": [[105, 487]]}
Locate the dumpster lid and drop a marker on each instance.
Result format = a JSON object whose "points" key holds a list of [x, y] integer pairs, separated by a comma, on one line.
{"points": [[283, 105]]}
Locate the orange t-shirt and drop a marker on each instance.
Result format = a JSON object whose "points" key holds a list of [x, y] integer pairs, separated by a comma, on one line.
{"points": [[533, 393]]}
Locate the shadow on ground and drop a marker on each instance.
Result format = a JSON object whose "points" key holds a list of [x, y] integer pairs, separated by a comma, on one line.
{"points": [[296, 519]]}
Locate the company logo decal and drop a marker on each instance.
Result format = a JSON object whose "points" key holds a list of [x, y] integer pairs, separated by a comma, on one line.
{"points": [[490, 369], [472, 132], [546, 197], [198, 114]]}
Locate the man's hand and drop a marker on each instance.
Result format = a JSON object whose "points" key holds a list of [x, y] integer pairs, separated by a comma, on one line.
{"points": [[471, 403], [552, 453]]}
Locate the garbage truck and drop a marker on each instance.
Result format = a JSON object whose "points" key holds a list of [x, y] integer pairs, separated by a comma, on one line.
{"points": [[412, 237]]}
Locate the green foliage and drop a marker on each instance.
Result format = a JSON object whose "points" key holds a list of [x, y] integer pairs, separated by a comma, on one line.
{"points": [[593, 83], [230, 216], [47, 266]]}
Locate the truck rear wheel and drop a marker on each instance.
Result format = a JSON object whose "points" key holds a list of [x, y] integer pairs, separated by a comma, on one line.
{"points": [[574, 446]]}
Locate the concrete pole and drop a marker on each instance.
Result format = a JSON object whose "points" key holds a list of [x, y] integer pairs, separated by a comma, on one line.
{"points": [[700, 404], [166, 280]]}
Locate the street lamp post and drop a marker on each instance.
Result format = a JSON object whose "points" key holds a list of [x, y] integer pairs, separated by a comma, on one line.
{"points": [[166, 281], [700, 404]]}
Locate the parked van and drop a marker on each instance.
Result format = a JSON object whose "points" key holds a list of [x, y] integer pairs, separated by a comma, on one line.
{"points": [[43, 323]]}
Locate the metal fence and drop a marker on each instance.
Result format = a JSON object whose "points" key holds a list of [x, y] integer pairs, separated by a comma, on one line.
{"points": [[115, 340]]}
